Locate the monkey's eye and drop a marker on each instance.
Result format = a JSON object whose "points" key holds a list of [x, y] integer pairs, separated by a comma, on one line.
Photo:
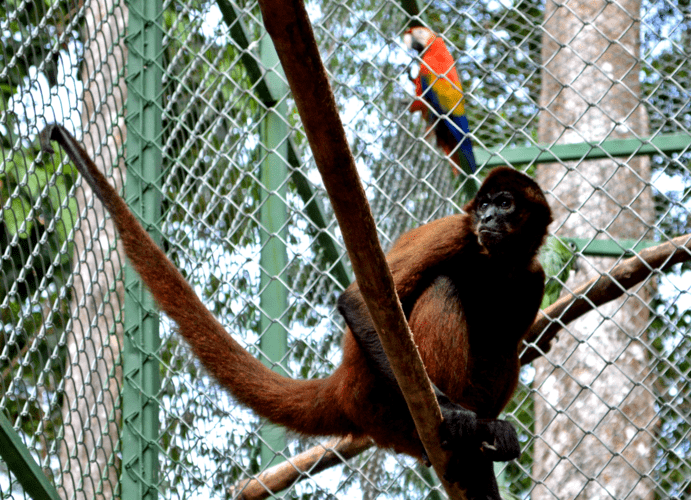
{"points": [[505, 204], [484, 206]]}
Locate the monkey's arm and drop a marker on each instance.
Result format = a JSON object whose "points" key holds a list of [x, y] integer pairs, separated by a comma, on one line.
{"points": [[352, 307], [461, 426], [414, 260], [475, 443]]}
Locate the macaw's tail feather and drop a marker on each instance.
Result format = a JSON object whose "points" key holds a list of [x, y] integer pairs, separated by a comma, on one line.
{"points": [[305, 406], [463, 157], [452, 138]]}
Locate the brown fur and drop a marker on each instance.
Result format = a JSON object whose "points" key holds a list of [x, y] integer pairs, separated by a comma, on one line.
{"points": [[468, 335]]}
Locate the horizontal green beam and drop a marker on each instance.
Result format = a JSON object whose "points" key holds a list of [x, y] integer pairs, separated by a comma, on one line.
{"points": [[19, 460], [674, 143], [609, 248]]}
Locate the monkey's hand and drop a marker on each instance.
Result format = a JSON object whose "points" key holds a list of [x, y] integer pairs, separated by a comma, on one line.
{"points": [[499, 440], [459, 429], [475, 445]]}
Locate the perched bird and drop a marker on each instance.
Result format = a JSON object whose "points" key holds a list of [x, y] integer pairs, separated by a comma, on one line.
{"points": [[439, 90]]}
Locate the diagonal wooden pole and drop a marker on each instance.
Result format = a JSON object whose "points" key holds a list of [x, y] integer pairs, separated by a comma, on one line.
{"points": [[287, 23], [303, 465], [601, 290]]}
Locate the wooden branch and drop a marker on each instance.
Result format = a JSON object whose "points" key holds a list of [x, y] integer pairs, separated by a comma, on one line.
{"points": [[287, 23], [303, 465], [601, 290]]}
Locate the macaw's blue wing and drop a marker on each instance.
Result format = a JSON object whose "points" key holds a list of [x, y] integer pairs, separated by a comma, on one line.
{"points": [[450, 123]]}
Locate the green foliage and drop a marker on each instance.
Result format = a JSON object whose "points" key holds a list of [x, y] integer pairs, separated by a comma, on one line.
{"points": [[673, 390], [37, 194], [36, 218], [36, 215], [666, 45], [557, 260], [16, 57]]}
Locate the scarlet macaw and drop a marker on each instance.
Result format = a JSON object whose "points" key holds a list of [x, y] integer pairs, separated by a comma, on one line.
{"points": [[438, 85]]}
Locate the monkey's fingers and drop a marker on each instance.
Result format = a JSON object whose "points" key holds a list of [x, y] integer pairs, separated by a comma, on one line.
{"points": [[499, 440], [486, 447], [458, 430]]}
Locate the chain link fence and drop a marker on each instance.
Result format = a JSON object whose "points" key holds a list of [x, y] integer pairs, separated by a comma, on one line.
{"points": [[239, 208]]}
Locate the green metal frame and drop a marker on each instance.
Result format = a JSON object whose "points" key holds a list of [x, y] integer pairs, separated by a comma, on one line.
{"points": [[19, 461], [274, 256], [609, 248], [611, 148], [141, 368]]}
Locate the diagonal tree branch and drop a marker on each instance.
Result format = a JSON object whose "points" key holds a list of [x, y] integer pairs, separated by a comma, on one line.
{"points": [[287, 23], [301, 466], [599, 291]]}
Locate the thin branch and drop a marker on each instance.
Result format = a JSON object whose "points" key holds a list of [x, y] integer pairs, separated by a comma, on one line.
{"points": [[289, 27], [601, 290], [303, 465]]}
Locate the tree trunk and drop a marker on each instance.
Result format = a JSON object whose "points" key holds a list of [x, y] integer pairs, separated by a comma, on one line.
{"points": [[593, 405], [91, 410]]}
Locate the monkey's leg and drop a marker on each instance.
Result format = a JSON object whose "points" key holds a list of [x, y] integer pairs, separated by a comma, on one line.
{"points": [[475, 474], [460, 428]]}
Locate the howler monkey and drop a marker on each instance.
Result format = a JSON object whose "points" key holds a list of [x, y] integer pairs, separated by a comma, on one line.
{"points": [[470, 285]]}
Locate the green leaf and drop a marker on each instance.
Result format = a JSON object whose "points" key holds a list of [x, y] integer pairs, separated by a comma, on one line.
{"points": [[68, 219], [15, 215], [557, 260], [36, 181], [66, 209]]}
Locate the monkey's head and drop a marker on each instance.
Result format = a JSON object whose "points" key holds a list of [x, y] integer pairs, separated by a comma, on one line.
{"points": [[509, 214]]}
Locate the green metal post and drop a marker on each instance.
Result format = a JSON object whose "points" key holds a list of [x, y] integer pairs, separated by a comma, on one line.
{"points": [[141, 379], [274, 214], [21, 463]]}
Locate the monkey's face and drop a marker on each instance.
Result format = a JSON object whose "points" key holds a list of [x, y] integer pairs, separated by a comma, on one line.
{"points": [[496, 219], [510, 214]]}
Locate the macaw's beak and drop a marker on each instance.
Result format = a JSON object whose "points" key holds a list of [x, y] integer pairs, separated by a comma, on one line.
{"points": [[412, 43]]}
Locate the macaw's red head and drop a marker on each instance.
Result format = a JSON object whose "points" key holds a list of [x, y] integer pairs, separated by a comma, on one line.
{"points": [[419, 38], [432, 50]]}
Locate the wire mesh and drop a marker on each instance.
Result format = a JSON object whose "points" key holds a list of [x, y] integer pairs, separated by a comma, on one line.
{"points": [[604, 414]]}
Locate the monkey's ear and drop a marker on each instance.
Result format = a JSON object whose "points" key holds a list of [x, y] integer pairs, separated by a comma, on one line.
{"points": [[471, 206]]}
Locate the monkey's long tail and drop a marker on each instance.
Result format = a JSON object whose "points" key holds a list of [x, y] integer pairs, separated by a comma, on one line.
{"points": [[305, 406]]}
